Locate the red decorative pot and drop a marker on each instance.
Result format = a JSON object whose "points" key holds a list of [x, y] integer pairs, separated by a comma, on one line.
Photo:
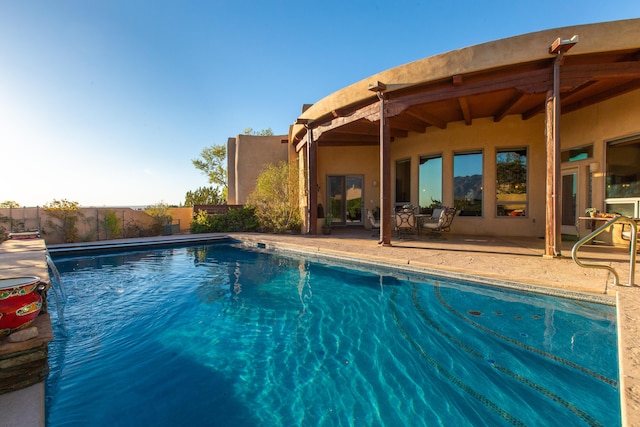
{"points": [[20, 303]]}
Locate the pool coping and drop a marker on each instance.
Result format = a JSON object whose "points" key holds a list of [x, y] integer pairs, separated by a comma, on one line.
{"points": [[419, 268]]}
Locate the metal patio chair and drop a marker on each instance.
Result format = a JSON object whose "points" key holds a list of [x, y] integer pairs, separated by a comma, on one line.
{"points": [[441, 222], [405, 222]]}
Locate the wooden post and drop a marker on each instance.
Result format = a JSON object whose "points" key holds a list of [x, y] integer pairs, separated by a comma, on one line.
{"points": [[312, 203], [549, 235], [385, 176], [553, 217]]}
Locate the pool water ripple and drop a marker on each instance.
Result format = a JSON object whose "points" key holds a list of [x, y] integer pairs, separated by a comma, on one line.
{"points": [[221, 336]]}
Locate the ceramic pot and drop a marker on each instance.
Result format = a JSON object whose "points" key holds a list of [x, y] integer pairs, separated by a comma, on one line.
{"points": [[20, 303]]}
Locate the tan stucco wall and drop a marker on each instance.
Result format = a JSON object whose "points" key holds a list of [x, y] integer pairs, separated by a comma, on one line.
{"points": [[231, 171], [247, 156], [488, 136], [351, 161], [184, 215]]}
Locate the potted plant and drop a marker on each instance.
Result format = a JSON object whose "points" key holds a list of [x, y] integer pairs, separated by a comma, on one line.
{"points": [[592, 212], [326, 224]]}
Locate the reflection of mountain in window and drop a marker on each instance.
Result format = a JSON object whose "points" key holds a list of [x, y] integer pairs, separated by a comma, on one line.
{"points": [[467, 183]]}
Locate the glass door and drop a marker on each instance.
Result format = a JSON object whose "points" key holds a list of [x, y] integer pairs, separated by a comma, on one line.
{"points": [[569, 201], [344, 199]]}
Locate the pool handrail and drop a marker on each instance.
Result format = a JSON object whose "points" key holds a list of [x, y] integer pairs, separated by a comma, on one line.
{"points": [[632, 249]]}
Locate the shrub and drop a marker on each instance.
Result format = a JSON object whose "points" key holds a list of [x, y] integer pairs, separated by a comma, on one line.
{"points": [[242, 219], [111, 224], [160, 213], [275, 198]]}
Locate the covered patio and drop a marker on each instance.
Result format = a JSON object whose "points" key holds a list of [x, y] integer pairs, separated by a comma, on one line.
{"points": [[476, 99]]}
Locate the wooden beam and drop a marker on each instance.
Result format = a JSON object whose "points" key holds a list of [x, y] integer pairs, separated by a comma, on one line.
{"points": [[537, 79], [302, 143], [346, 143], [603, 96], [466, 109], [370, 112], [615, 70], [504, 110], [428, 118]]}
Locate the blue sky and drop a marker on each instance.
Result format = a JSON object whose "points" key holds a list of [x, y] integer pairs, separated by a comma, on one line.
{"points": [[107, 102]]}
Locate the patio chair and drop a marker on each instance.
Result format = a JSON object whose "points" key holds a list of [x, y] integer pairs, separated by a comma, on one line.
{"points": [[375, 224], [405, 222], [440, 223]]}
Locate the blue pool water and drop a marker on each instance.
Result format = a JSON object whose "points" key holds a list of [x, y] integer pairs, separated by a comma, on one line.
{"points": [[223, 336]]}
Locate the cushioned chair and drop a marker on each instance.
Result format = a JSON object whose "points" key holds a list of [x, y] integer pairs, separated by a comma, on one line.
{"points": [[441, 222]]}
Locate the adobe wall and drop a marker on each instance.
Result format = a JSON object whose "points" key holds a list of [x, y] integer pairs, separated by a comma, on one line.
{"points": [[252, 153]]}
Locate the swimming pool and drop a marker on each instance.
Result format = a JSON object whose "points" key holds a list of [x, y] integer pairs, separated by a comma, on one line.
{"points": [[220, 335]]}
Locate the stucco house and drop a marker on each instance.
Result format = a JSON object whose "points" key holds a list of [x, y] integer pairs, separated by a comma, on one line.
{"points": [[520, 135]]}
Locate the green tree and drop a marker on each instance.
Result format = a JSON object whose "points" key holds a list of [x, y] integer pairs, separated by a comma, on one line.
{"points": [[213, 163], [204, 196], [275, 198]]}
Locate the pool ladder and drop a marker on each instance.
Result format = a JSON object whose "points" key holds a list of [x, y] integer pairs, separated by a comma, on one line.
{"points": [[632, 249]]}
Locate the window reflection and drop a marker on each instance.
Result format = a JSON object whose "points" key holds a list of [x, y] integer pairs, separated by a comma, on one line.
{"points": [[511, 182], [623, 177], [623, 169], [467, 183], [430, 176], [403, 182]]}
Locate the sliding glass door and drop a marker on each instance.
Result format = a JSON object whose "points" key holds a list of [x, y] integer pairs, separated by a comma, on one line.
{"points": [[344, 199]]}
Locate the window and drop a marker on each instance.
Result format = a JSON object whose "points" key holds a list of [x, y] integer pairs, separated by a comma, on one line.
{"points": [[623, 177], [511, 182], [578, 153], [403, 182], [430, 178], [467, 183]]}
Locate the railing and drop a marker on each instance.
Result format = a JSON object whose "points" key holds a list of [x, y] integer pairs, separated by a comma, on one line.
{"points": [[632, 250]]}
